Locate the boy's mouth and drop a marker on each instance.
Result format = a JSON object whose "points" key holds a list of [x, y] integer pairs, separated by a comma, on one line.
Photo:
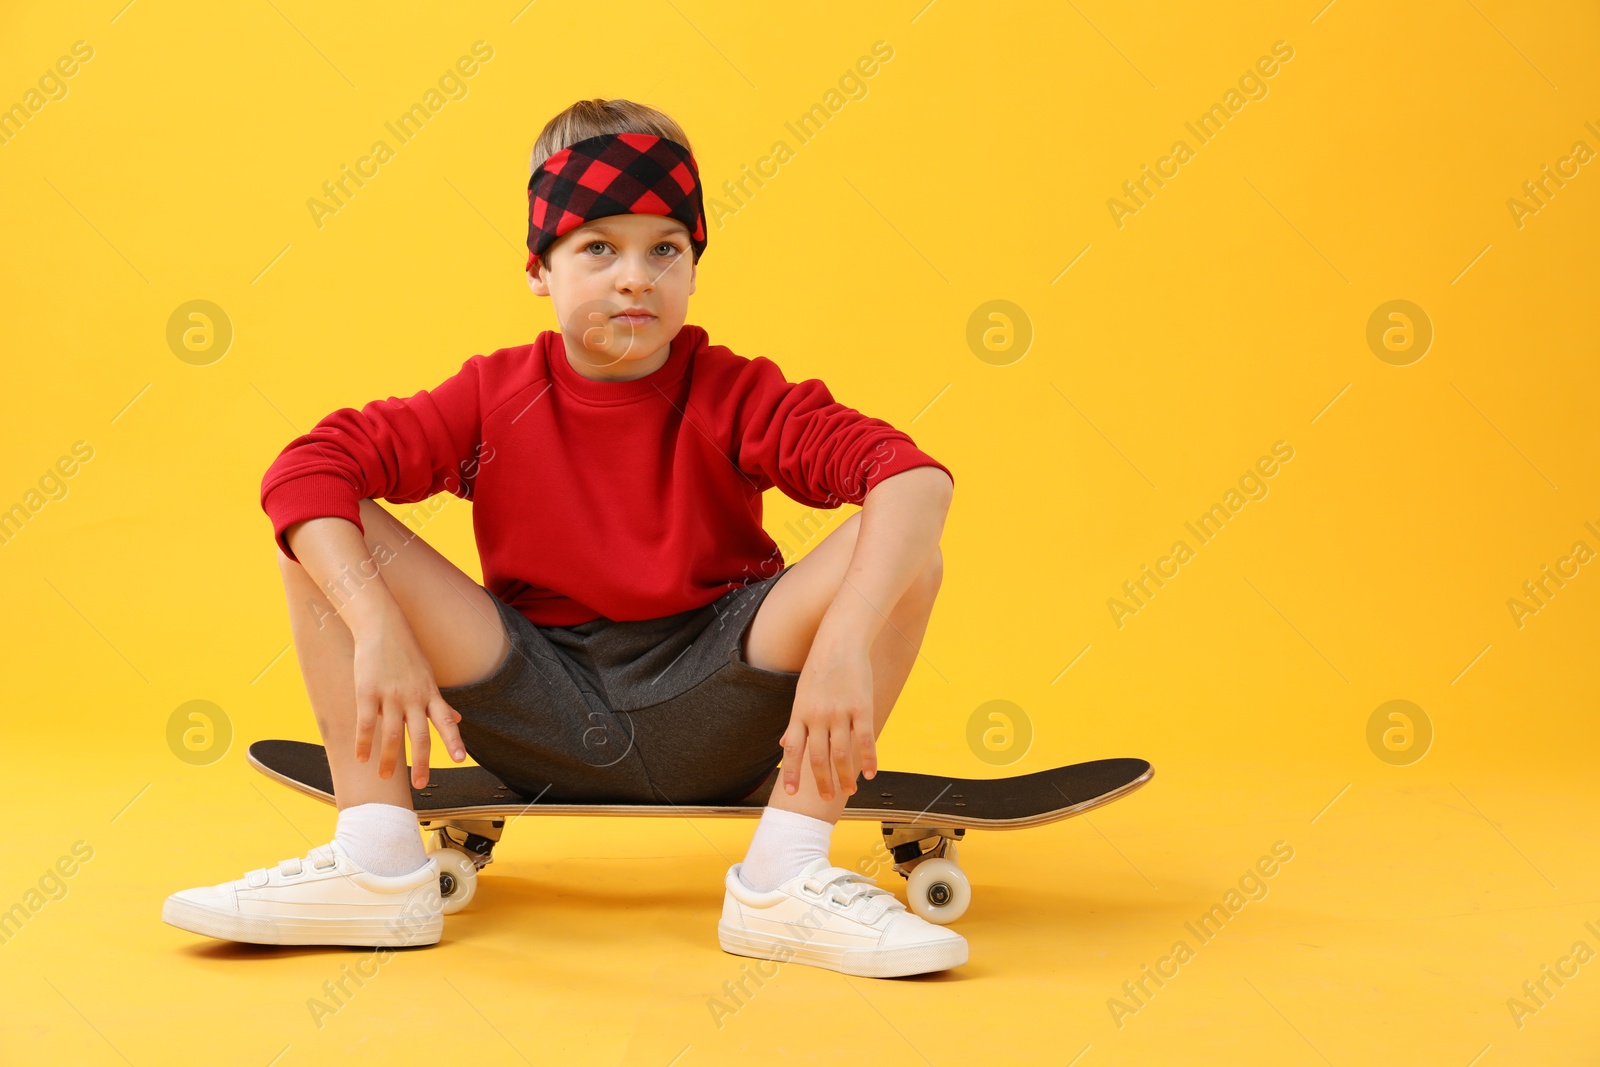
{"points": [[634, 317]]}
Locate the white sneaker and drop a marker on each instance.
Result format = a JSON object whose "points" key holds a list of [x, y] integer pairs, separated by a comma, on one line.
{"points": [[326, 898], [835, 918]]}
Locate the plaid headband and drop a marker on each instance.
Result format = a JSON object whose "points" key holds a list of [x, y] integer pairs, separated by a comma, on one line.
{"points": [[613, 174]]}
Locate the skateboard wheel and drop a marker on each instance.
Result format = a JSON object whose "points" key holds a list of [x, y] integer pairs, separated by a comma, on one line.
{"points": [[458, 878], [938, 891]]}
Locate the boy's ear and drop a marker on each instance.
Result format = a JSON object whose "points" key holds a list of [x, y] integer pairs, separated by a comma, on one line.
{"points": [[537, 282]]}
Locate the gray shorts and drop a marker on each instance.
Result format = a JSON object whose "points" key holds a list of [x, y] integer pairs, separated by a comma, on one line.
{"points": [[654, 711]]}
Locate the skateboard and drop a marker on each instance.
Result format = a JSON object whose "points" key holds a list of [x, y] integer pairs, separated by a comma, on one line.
{"points": [[463, 810]]}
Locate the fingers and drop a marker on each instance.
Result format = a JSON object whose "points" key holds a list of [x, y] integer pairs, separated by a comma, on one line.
{"points": [[369, 712], [842, 757], [417, 726], [837, 754], [444, 720], [866, 749], [820, 770], [794, 739], [393, 725]]}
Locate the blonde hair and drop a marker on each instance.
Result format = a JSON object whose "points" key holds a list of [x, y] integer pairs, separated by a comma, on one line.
{"points": [[591, 118]]}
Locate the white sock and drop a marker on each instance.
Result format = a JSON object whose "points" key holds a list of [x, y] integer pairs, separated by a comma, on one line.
{"points": [[784, 842], [382, 838]]}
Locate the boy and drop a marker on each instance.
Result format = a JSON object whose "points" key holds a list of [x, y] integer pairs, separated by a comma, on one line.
{"points": [[637, 637]]}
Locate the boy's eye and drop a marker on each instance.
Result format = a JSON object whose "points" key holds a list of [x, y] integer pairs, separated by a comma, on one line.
{"points": [[665, 248]]}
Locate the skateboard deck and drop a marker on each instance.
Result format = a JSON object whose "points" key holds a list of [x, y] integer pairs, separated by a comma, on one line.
{"points": [[923, 816], [894, 798]]}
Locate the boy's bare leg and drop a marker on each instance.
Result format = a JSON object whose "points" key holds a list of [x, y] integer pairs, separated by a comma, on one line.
{"points": [[780, 637], [454, 620]]}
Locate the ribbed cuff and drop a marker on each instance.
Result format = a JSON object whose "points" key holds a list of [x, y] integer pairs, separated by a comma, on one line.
{"points": [[310, 496], [892, 457]]}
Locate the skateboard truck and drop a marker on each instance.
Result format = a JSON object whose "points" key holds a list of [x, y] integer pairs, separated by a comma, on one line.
{"points": [[937, 888], [463, 847]]}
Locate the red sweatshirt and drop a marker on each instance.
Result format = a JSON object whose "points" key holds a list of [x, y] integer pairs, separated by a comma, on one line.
{"points": [[628, 500]]}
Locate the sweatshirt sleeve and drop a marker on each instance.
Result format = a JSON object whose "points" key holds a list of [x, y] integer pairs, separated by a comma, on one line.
{"points": [[813, 448], [401, 450]]}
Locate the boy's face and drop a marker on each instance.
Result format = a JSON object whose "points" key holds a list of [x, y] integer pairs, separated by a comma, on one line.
{"points": [[607, 266]]}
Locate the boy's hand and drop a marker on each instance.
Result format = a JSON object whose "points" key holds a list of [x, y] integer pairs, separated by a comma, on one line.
{"points": [[831, 725], [395, 687]]}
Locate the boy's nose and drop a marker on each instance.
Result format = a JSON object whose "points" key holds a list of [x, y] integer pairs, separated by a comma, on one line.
{"points": [[635, 275]]}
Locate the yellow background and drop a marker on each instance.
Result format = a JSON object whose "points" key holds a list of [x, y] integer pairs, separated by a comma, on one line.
{"points": [[1229, 313]]}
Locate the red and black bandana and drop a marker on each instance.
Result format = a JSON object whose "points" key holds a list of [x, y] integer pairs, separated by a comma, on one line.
{"points": [[614, 174]]}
